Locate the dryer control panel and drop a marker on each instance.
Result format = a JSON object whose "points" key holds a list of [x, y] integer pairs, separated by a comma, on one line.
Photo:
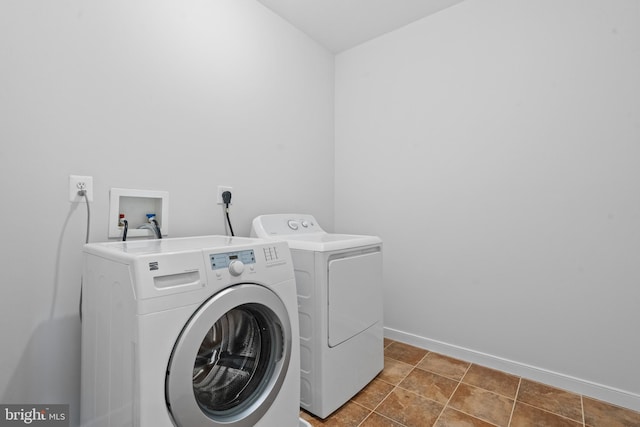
{"points": [[284, 225]]}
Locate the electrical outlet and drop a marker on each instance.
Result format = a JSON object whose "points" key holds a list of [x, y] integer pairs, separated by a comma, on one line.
{"points": [[77, 183], [222, 189]]}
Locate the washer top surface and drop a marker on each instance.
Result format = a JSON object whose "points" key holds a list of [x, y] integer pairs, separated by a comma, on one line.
{"points": [[134, 248], [303, 232]]}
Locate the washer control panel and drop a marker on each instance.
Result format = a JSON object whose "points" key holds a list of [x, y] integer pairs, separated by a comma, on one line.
{"points": [[234, 261], [271, 253]]}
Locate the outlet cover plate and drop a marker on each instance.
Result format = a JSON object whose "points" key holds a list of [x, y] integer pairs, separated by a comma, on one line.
{"points": [[75, 184]]}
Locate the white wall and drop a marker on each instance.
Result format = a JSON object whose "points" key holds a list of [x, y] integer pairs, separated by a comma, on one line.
{"points": [[494, 147], [147, 94]]}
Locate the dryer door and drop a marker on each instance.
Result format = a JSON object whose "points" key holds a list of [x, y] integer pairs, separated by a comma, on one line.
{"points": [[355, 294], [230, 360]]}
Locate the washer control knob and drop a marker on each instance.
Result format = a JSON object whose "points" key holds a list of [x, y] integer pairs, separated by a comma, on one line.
{"points": [[292, 224], [236, 267], [304, 223]]}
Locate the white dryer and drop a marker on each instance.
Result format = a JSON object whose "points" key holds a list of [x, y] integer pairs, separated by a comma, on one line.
{"points": [[339, 283], [187, 332]]}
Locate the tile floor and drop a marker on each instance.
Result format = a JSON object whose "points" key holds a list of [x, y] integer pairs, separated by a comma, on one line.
{"points": [[418, 388]]}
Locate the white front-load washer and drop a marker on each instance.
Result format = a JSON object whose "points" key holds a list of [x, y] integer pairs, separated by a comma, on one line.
{"points": [[189, 332], [339, 285]]}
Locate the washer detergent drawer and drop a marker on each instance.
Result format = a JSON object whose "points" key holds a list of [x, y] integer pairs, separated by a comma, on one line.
{"points": [[355, 295]]}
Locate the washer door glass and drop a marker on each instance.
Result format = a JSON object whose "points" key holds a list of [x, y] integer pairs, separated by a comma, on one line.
{"points": [[230, 360], [233, 359]]}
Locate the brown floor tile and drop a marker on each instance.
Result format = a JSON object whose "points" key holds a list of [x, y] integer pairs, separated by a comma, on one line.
{"points": [[601, 414], [528, 416], [551, 399], [409, 409], [492, 380], [482, 404], [394, 371], [373, 394], [349, 415], [377, 420], [306, 416], [415, 385], [429, 385], [452, 418], [312, 419], [405, 353], [444, 365]]}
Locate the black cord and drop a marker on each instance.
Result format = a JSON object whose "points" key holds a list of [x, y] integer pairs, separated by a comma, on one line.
{"points": [[86, 240], [157, 229], [126, 229], [226, 199], [86, 199], [229, 219]]}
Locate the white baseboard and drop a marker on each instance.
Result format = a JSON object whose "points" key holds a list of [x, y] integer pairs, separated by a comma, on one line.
{"points": [[555, 379]]}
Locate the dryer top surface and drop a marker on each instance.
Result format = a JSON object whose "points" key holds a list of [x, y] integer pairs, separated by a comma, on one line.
{"points": [[302, 231], [325, 242]]}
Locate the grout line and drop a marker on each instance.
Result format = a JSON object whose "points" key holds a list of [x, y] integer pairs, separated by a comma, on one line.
{"points": [[368, 415], [551, 412], [423, 357], [395, 386], [383, 416], [380, 403], [441, 375], [446, 405], [515, 399], [492, 391], [454, 392], [461, 381]]}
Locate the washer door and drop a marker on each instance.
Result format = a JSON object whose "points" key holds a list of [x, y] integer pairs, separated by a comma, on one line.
{"points": [[230, 360]]}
